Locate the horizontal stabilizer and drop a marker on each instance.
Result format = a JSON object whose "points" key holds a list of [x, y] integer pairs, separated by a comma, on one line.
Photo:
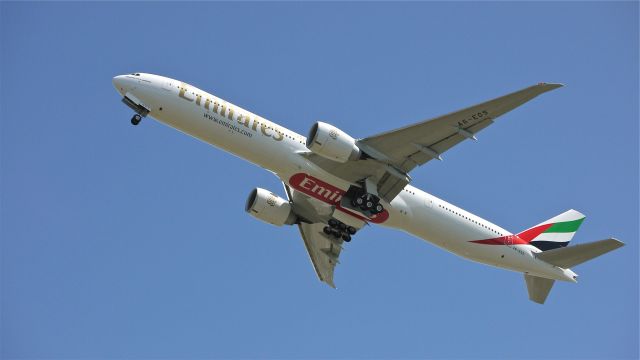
{"points": [[567, 257], [538, 288]]}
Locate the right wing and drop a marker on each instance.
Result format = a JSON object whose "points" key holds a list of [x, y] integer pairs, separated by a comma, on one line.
{"points": [[395, 153], [403, 146]]}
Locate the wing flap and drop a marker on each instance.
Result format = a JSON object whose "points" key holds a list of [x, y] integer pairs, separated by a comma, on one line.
{"points": [[419, 157]]}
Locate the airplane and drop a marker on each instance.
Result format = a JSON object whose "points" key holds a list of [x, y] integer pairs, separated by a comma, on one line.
{"points": [[336, 184]]}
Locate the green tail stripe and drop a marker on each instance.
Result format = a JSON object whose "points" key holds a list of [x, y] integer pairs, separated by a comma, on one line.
{"points": [[565, 227]]}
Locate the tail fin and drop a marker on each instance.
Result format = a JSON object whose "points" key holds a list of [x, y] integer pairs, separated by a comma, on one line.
{"points": [[575, 255], [554, 233]]}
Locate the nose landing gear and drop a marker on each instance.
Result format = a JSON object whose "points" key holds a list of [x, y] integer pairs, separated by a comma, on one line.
{"points": [[136, 105], [135, 120]]}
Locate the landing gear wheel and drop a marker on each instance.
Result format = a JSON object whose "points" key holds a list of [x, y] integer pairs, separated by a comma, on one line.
{"points": [[135, 120], [339, 230], [369, 205], [379, 208], [359, 201]]}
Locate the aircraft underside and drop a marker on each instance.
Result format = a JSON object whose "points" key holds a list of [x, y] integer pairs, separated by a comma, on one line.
{"points": [[336, 184]]}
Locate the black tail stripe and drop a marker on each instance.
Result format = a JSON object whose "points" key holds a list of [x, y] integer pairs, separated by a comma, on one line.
{"points": [[548, 245]]}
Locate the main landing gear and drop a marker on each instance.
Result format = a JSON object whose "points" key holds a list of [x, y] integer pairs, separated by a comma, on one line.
{"points": [[367, 202], [364, 198], [339, 230], [135, 120]]}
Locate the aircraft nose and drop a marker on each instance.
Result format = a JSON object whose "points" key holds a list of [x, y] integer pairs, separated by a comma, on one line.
{"points": [[119, 83], [123, 84]]}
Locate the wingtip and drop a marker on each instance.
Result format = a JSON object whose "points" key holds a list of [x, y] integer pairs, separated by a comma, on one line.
{"points": [[327, 281], [551, 86]]}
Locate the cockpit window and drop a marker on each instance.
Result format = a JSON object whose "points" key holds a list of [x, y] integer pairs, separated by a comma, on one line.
{"points": [[136, 74]]}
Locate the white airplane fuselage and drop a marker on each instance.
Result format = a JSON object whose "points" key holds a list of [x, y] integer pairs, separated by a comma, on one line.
{"points": [[277, 149]]}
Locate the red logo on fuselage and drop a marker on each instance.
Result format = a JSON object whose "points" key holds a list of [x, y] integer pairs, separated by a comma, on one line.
{"points": [[329, 194]]}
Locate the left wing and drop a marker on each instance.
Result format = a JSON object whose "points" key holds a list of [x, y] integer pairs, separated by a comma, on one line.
{"points": [[323, 249]]}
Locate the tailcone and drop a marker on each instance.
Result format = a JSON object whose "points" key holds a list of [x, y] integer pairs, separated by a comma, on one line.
{"points": [[571, 276]]}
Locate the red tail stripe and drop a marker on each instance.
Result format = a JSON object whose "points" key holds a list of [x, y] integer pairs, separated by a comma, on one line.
{"points": [[532, 233], [523, 238], [503, 240]]}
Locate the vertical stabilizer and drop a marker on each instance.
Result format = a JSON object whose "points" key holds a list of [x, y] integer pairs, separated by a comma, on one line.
{"points": [[554, 233]]}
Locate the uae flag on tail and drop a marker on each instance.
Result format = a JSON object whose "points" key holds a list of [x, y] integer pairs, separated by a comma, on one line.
{"points": [[555, 232]]}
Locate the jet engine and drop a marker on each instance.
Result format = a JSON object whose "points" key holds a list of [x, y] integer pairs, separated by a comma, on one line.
{"points": [[332, 143], [269, 207]]}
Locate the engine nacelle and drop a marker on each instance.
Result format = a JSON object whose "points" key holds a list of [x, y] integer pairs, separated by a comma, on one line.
{"points": [[332, 143], [269, 207]]}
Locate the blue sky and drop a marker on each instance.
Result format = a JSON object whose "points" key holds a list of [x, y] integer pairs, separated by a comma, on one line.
{"points": [[123, 242]]}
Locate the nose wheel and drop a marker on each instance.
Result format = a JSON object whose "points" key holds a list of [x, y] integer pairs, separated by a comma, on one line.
{"points": [[135, 105], [135, 120]]}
